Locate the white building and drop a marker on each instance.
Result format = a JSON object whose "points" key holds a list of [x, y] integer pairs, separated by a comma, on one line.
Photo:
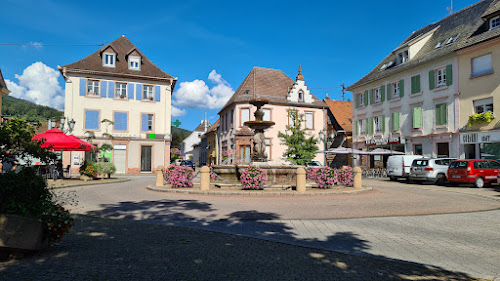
{"points": [[189, 149], [120, 84]]}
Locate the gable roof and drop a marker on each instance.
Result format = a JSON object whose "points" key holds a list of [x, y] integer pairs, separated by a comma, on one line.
{"points": [[463, 23], [3, 86], [123, 47], [342, 112], [213, 128], [269, 84]]}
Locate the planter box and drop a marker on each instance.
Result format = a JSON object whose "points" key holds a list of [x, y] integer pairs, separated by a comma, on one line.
{"points": [[18, 232], [86, 178]]}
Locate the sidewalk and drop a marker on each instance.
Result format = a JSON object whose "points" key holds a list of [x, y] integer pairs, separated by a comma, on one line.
{"points": [[103, 249], [73, 182]]}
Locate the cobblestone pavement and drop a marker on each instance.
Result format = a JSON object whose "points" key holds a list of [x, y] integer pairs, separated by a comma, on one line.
{"points": [[102, 249]]}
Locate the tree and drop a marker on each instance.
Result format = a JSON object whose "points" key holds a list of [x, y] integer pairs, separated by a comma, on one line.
{"points": [[301, 150]]}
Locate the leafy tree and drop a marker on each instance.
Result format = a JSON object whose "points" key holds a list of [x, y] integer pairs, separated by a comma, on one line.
{"points": [[301, 150]]}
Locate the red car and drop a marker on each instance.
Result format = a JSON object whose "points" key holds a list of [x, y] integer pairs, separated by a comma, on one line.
{"points": [[477, 171]]}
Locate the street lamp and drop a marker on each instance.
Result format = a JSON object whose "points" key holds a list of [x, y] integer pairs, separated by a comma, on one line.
{"points": [[325, 138]]}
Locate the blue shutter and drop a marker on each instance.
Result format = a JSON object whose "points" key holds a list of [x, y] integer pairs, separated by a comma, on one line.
{"points": [[130, 91], [91, 119], [138, 92], [104, 88], [144, 123], [157, 93], [83, 87], [111, 90], [120, 120]]}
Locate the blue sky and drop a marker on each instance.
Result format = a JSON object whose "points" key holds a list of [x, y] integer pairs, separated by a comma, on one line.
{"points": [[210, 45]]}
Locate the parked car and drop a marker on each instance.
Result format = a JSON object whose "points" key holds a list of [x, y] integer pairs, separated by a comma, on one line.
{"points": [[177, 162], [314, 163], [480, 172], [187, 163], [398, 166], [430, 170]]}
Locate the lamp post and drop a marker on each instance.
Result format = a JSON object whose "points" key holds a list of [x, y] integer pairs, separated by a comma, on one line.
{"points": [[324, 137]]}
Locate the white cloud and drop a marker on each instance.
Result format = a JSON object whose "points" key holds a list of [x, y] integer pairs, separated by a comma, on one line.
{"points": [[176, 112], [39, 83], [196, 94]]}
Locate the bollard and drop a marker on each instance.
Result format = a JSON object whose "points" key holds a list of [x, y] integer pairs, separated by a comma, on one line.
{"points": [[159, 176], [205, 178], [301, 180], [357, 177]]}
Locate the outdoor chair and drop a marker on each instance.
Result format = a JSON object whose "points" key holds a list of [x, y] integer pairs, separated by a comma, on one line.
{"points": [[67, 172]]}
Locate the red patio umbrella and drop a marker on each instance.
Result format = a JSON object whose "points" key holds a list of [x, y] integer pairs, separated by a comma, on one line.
{"points": [[60, 141], [87, 146]]}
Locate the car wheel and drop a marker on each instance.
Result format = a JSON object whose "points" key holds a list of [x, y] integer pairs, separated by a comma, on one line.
{"points": [[479, 182], [441, 180]]}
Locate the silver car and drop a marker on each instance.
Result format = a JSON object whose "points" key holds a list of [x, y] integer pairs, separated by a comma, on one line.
{"points": [[430, 170]]}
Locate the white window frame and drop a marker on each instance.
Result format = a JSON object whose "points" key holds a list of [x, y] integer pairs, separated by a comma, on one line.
{"points": [[266, 117], [483, 105], [300, 96], [377, 97], [147, 92], [247, 117], [395, 90], [362, 126], [378, 124], [120, 89], [440, 77], [93, 87], [109, 60], [150, 123], [403, 56], [488, 61], [311, 114], [494, 22], [134, 63], [361, 99]]}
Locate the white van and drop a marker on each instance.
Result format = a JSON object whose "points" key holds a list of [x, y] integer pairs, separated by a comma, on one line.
{"points": [[398, 166]]}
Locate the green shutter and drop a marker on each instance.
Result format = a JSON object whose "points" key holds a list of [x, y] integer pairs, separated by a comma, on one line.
{"points": [[417, 85], [441, 114], [444, 114], [356, 100], [438, 114], [371, 96], [356, 133], [367, 126], [401, 88], [398, 114], [389, 93], [449, 75], [417, 117], [366, 98], [395, 121], [371, 125], [412, 84], [431, 80], [382, 92], [383, 123]]}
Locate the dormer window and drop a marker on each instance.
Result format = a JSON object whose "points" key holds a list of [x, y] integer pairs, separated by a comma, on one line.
{"points": [[495, 22], [439, 44], [134, 63], [451, 39], [108, 60], [403, 57]]}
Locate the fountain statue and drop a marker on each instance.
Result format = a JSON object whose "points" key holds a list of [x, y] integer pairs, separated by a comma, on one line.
{"points": [[259, 126]]}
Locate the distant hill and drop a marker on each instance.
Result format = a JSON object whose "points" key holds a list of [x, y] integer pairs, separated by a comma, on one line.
{"points": [[178, 135], [22, 108]]}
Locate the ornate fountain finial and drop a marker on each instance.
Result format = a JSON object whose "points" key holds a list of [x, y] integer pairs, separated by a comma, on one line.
{"points": [[300, 77]]}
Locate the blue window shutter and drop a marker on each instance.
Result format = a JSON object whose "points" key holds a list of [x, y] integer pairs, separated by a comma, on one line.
{"points": [[120, 120], [91, 119], [144, 123], [111, 90], [138, 92], [130, 91], [157, 93], [104, 88], [83, 87]]}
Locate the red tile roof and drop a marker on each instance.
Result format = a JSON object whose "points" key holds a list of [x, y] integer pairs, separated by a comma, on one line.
{"points": [[342, 111]]}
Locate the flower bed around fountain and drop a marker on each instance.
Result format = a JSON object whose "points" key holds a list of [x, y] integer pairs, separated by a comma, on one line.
{"points": [[276, 174]]}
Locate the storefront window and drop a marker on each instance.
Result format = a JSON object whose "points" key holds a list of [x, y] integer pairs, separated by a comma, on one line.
{"points": [[490, 150], [417, 149]]}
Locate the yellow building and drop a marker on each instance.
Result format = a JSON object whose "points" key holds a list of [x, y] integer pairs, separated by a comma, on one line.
{"points": [[3, 91], [479, 84], [212, 143]]}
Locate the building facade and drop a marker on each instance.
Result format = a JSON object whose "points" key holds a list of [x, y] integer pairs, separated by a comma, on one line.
{"points": [[283, 94], [410, 101], [479, 83], [121, 98], [190, 148], [338, 132]]}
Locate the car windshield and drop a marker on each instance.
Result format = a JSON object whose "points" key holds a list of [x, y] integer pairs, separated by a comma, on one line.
{"points": [[420, 163], [189, 162], [459, 165], [313, 164]]}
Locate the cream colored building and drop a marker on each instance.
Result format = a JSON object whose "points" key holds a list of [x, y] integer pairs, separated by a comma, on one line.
{"points": [[120, 84], [479, 83], [283, 94]]}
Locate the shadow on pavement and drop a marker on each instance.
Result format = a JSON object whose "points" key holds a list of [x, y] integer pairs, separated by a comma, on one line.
{"points": [[98, 248]]}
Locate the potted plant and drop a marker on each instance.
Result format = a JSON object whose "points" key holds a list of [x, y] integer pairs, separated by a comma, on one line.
{"points": [[487, 117]]}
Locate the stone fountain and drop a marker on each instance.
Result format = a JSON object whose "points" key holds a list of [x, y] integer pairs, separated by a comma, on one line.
{"points": [[259, 126]]}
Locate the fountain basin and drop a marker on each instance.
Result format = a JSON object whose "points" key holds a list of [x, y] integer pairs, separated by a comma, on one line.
{"points": [[276, 174], [259, 125]]}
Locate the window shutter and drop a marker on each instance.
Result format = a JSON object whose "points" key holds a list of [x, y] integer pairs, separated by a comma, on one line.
{"points": [[382, 93], [120, 120], [412, 83], [91, 119], [389, 93], [104, 88], [138, 91], [401, 88], [398, 126], [383, 123], [417, 83], [449, 75], [144, 123], [431, 80], [417, 117], [157, 93], [444, 114], [83, 87], [371, 96], [371, 125], [441, 114], [111, 89], [366, 97], [356, 132], [130, 91], [367, 126], [438, 114]]}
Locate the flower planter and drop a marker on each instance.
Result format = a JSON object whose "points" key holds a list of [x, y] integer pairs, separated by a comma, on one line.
{"points": [[17, 232]]}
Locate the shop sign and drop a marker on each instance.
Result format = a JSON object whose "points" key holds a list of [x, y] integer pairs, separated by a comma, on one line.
{"points": [[479, 138], [469, 138], [382, 141], [124, 135]]}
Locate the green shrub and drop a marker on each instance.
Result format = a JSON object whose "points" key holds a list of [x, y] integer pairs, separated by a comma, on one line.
{"points": [[108, 168], [88, 169]]}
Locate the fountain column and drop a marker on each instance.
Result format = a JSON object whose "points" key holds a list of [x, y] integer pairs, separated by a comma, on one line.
{"points": [[259, 126]]}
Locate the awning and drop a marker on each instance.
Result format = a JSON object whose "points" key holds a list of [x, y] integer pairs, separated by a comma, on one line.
{"points": [[55, 139]]}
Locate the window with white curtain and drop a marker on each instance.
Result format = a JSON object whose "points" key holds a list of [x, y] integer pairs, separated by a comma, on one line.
{"points": [[309, 120], [267, 114], [245, 116], [482, 65]]}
